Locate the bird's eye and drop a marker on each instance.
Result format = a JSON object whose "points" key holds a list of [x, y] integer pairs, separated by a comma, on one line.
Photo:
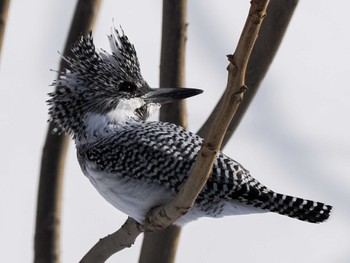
{"points": [[126, 86]]}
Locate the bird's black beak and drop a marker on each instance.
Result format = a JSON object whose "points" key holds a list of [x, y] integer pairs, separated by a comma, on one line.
{"points": [[166, 95]]}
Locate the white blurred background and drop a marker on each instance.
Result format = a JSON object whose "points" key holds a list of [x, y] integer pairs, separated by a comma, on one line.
{"points": [[294, 137]]}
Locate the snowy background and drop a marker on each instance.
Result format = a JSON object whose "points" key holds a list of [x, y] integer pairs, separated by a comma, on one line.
{"points": [[294, 138]]}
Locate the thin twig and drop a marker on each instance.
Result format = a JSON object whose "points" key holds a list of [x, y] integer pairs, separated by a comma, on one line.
{"points": [[111, 244], [161, 217]]}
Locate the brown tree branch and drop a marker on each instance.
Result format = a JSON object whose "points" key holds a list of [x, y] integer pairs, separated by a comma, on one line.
{"points": [[264, 51], [48, 215], [160, 246], [4, 7], [161, 217]]}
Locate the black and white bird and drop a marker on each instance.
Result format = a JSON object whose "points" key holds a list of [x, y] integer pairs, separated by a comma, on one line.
{"points": [[103, 102]]}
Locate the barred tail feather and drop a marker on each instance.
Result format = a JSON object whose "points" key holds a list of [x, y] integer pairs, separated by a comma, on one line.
{"points": [[302, 209]]}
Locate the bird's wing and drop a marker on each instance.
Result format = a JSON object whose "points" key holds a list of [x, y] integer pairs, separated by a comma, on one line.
{"points": [[164, 153]]}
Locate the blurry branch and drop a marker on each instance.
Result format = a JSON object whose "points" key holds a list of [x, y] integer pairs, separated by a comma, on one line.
{"points": [[266, 46], [160, 246], [172, 60], [161, 217], [4, 7], [48, 217]]}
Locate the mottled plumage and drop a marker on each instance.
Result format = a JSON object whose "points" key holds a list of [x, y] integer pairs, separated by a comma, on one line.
{"points": [[135, 164]]}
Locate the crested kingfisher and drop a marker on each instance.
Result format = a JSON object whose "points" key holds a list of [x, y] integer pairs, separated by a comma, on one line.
{"points": [[103, 102]]}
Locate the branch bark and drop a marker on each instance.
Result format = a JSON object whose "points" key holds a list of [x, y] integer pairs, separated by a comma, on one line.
{"points": [[4, 7], [48, 217], [264, 51], [161, 217], [160, 246]]}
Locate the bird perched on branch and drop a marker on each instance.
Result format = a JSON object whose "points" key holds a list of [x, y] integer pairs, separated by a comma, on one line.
{"points": [[103, 102]]}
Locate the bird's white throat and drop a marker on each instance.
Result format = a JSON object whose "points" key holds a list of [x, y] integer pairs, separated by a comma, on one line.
{"points": [[125, 110], [100, 125]]}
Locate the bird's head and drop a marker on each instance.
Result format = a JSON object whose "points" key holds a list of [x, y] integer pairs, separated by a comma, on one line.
{"points": [[105, 86]]}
